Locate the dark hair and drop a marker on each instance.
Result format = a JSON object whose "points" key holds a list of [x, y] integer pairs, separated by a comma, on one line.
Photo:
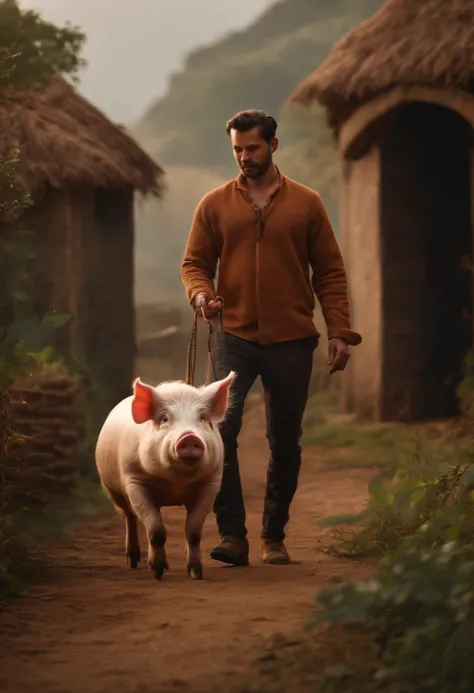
{"points": [[248, 120]]}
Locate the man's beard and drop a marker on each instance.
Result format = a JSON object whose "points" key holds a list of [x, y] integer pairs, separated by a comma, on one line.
{"points": [[257, 170]]}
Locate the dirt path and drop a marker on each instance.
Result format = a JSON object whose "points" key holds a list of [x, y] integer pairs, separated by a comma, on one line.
{"points": [[98, 627]]}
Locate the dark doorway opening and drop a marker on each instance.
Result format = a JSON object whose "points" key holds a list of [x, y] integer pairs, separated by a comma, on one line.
{"points": [[426, 244]]}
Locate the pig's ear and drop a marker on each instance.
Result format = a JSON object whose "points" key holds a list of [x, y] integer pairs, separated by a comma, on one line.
{"points": [[217, 395], [143, 402]]}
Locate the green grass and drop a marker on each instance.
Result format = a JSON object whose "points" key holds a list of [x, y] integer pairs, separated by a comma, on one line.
{"points": [[350, 435], [348, 443], [386, 447]]}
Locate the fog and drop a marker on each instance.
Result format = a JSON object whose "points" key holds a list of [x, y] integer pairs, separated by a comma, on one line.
{"points": [[132, 47]]}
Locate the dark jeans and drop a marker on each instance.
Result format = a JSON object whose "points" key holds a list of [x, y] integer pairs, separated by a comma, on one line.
{"points": [[285, 370]]}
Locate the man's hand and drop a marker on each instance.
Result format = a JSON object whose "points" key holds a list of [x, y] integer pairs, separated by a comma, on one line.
{"points": [[338, 355], [208, 308]]}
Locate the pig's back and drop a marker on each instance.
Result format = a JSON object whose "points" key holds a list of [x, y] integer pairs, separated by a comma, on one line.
{"points": [[117, 440]]}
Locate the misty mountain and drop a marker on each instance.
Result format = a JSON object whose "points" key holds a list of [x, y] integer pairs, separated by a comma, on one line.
{"points": [[256, 67]]}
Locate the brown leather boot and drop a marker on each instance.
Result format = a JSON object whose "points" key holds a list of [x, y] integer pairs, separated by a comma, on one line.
{"points": [[232, 550], [274, 552]]}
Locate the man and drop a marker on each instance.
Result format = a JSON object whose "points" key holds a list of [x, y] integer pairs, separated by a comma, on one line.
{"points": [[266, 231]]}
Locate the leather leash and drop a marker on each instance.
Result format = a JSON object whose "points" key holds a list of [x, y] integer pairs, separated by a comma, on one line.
{"points": [[216, 369]]}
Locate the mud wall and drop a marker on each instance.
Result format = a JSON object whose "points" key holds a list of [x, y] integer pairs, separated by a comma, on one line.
{"points": [[85, 267], [364, 392], [360, 243]]}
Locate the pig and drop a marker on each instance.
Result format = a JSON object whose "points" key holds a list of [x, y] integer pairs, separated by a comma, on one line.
{"points": [[159, 447]]}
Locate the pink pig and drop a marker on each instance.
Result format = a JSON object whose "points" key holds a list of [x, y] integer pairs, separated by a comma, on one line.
{"points": [[162, 447]]}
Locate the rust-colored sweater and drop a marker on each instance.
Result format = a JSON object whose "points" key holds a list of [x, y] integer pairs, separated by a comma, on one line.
{"points": [[265, 260]]}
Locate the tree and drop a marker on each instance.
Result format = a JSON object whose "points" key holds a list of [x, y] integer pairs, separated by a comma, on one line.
{"points": [[33, 50]]}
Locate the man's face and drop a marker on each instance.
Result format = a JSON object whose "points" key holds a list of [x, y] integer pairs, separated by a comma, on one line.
{"points": [[252, 152]]}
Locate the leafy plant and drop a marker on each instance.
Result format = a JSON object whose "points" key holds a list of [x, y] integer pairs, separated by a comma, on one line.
{"points": [[25, 337], [420, 614], [35, 50], [424, 509], [419, 611]]}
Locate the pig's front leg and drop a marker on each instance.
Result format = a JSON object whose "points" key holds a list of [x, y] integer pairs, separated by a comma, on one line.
{"points": [[197, 511], [143, 504]]}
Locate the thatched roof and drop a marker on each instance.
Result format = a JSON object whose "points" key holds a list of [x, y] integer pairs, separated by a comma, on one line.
{"points": [[406, 42], [65, 140]]}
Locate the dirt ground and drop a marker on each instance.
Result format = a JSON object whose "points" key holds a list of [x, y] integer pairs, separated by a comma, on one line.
{"points": [[94, 626]]}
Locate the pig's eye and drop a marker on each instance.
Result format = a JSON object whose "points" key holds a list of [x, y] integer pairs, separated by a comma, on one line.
{"points": [[204, 417], [164, 419]]}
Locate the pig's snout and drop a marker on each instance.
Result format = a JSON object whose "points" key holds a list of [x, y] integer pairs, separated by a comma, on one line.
{"points": [[189, 447]]}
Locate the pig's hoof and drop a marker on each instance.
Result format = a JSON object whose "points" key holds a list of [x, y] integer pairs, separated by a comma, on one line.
{"points": [[133, 557], [158, 570], [195, 571]]}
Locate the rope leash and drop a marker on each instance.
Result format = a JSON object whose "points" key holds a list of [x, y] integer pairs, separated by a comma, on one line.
{"points": [[192, 348], [216, 350]]}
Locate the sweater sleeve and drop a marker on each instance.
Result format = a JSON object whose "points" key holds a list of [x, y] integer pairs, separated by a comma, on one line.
{"points": [[329, 278], [198, 267]]}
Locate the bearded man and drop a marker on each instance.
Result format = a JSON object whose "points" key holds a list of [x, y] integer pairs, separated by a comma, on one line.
{"points": [[276, 249]]}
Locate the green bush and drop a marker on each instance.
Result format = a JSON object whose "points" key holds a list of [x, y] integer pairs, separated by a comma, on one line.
{"points": [[419, 612], [425, 508], [420, 615]]}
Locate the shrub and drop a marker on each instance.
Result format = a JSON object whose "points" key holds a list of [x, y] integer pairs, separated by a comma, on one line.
{"points": [[420, 614], [426, 503]]}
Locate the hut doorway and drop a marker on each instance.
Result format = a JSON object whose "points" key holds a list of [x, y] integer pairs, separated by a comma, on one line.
{"points": [[426, 256]]}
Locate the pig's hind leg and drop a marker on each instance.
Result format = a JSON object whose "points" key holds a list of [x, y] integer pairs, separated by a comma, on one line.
{"points": [[197, 511], [132, 546]]}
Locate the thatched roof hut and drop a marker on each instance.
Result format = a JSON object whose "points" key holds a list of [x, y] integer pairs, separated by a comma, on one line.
{"points": [[406, 42], [399, 94], [64, 140], [83, 172]]}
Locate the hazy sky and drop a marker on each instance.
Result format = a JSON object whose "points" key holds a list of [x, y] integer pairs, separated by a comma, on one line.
{"points": [[133, 45]]}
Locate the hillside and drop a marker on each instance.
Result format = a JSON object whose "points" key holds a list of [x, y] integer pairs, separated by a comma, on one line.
{"points": [[254, 68]]}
